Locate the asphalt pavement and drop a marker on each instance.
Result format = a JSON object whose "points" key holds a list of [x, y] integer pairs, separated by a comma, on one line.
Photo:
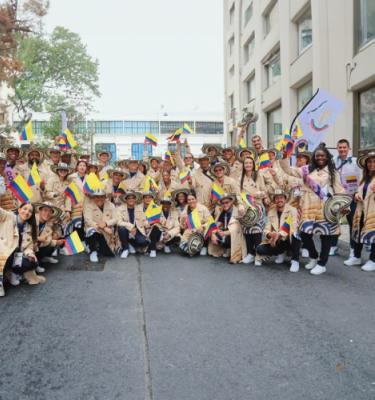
{"points": [[189, 329]]}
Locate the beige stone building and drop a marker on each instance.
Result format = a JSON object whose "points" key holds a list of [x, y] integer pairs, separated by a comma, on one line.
{"points": [[277, 53]]}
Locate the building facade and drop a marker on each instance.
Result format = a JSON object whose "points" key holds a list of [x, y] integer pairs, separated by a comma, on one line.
{"points": [[124, 138], [279, 52]]}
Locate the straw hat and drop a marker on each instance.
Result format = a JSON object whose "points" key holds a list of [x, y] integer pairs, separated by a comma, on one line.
{"points": [[53, 149], [56, 212], [176, 192], [34, 149], [98, 193], [99, 153], [62, 167], [279, 192], [14, 147], [208, 146], [229, 148], [132, 159], [158, 159], [306, 154], [230, 196], [95, 164], [221, 164], [120, 171], [250, 150], [202, 156], [361, 161], [124, 197], [151, 194]]}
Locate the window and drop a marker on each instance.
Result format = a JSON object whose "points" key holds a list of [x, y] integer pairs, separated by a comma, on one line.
{"points": [[304, 94], [250, 89], [231, 45], [111, 147], [214, 128], [273, 69], [137, 150], [367, 118], [270, 19], [365, 10], [249, 49], [274, 126], [231, 14], [248, 13], [304, 32]]}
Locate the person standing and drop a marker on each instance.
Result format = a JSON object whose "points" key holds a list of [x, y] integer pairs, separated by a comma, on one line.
{"points": [[350, 176]]}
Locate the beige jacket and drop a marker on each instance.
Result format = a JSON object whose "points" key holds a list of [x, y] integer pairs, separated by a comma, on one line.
{"points": [[140, 221], [171, 225], [46, 234], [136, 183], [254, 188], [204, 216], [55, 193], [38, 193], [202, 186]]}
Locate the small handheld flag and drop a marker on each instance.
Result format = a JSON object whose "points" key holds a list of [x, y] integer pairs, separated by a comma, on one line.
{"points": [[70, 142], [72, 192], [297, 132], [193, 220], [150, 185], [286, 225], [27, 132], [187, 129], [92, 183], [168, 157], [184, 176], [153, 213], [247, 199], [289, 145], [210, 229], [21, 189], [73, 244], [34, 177], [176, 136], [242, 143], [62, 143], [151, 139], [216, 192], [264, 161]]}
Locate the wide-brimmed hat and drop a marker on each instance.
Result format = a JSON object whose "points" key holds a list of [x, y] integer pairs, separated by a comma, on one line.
{"points": [[207, 146], [62, 167], [145, 164], [157, 158], [99, 153], [202, 156], [176, 192], [56, 212], [306, 154], [231, 196], [166, 199], [95, 164], [361, 161], [111, 171], [14, 147], [362, 152], [54, 149], [279, 192], [233, 149], [249, 150], [151, 194], [34, 149], [137, 196], [67, 153], [132, 159], [98, 193], [221, 164]]}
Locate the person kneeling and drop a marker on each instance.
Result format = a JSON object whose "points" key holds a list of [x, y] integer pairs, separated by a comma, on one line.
{"points": [[100, 218], [228, 240], [280, 231]]}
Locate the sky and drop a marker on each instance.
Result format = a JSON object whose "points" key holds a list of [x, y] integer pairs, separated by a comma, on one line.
{"points": [[152, 53]]}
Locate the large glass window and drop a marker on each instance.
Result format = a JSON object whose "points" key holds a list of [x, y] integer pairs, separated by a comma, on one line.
{"points": [[273, 69], [250, 89], [366, 21], [367, 118], [274, 126], [248, 13], [213, 128], [304, 32], [137, 150], [304, 94], [249, 49], [270, 19]]}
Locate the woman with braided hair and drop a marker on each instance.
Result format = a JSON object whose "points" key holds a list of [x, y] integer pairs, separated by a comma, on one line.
{"points": [[321, 180]]}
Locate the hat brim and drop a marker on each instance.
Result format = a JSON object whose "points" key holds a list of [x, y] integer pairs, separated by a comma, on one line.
{"points": [[220, 164], [230, 196], [124, 197], [176, 192], [361, 161], [49, 151], [20, 151], [41, 154], [56, 212], [205, 148], [273, 195], [99, 153], [56, 168], [110, 172]]}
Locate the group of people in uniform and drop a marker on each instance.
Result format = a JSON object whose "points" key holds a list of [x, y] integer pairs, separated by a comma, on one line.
{"points": [[246, 212]]}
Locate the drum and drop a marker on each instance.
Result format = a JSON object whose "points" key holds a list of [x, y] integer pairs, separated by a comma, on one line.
{"points": [[195, 243]]}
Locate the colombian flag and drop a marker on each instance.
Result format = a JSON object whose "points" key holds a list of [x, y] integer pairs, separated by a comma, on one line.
{"points": [[184, 176], [216, 192], [27, 132], [73, 244], [242, 143], [70, 142], [34, 177], [264, 161], [153, 213], [72, 192], [176, 136], [193, 220], [187, 129], [168, 157], [286, 225], [21, 189], [210, 229], [289, 145], [150, 185], [92, 183], [62, 143], [247, 199], [151, 139]]}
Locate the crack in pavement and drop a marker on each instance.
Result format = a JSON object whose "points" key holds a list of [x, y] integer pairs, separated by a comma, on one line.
{"points": [[143, 328]]}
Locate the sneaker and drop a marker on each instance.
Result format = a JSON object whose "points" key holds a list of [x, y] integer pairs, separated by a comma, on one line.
{"points": [[294, 266], [55, 252], [280, 258], [13, 278], [2, 292], [333, 251], [203, 251], [94, 257], [50, 260], [258, 263], [226, 254], [351, 254], [318, 270], [352, 261], [311, 264], [369, 266], [125, 254], [305, 253], [40, 269], [167, 250], [248, 259], [153, 253], [131, 249]]}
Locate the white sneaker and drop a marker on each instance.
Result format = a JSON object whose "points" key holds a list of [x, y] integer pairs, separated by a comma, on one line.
{"points": [[55, 252], [352, 261], [294, 267], [40, 269], [2, 291], [167, 250], [131, 249], [152, 253], [318, 270], [203, 251], [333, 251], [50, 260], [311, 264], [248, 259], [124, 254], [305, 253], [258, 263], [351, 254], [13, 278], [280, 258], [94, 257], [369, 266]]}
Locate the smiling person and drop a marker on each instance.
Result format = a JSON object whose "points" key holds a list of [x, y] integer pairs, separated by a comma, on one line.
{"points": [[235, 166], [104, 157], [135, 180], [112, 186], [18, 233], [320, 179], [364, 217], [256, 141]]}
